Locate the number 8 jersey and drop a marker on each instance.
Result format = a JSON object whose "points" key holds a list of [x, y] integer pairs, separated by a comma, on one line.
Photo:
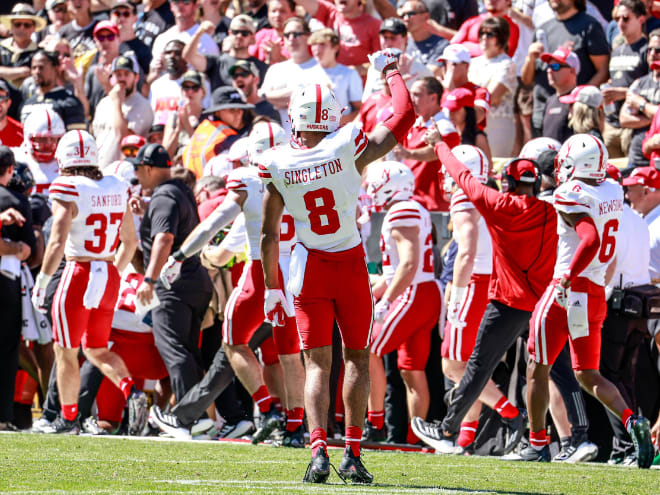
{"points": [[320, 187], [604, 204], [101, 206]]}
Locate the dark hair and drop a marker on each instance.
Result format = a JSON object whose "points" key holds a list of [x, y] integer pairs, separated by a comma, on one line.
{"points": [[291, 3], [186, 175], [302, 22], [52, 57], [637, 7], [6, 159], [500, 27], [93, 173], [470, 129], [581, 5], [432, 86]]}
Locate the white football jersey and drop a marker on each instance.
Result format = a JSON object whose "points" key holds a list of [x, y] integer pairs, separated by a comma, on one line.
{"points": [[247, 179], [320, 187], [101, 206], [407, 214], [125, 317], [43, 173], [604, 204], [483, 258]]}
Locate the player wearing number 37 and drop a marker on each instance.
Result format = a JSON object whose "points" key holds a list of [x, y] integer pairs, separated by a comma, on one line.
{"points": [[317, 177], [90, 218], [573, 306]]}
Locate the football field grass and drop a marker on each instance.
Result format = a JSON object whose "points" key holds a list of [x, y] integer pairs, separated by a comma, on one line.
{"points": [[63, 464]]}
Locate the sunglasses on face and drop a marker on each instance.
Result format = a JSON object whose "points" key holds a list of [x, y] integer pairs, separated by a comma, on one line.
{"points": [[24, 25], [184, 2], [121, 13], [242, 32], [240, 74], [60, 10], [192, 87], [655, 50], [487, 34], [410, 13], [622, 18], [106, 37], [4, 98], [130, 152], [555, 66], [294, 34]]}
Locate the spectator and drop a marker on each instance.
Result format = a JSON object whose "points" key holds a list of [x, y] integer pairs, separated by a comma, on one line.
{"points": [[166, 91], [627, 63], [216, 67], [80, 31], [213, 11], [572, 28], [269, 42], [18, 241], [170, 216], [394, 35], [344, 81], [283, 78], [122, 112], [562, 69], [16, 51], [258, 10], [97, 80], [186, 116], [469, 32], [643, 193], [357, 30], [586, 115], [185, 27], [58, 17], [11, 131], [459, 103], [376, 109], [245, 77], [642, 104], [416, 153], [124, 15], [155, 134], [156, 18], [44, 69], [452, 13], [224, 124], [415, 15], [495, 71], [457, 61]]}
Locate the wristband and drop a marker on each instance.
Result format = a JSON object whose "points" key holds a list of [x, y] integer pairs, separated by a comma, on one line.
{"points": [[178, 255], [42, 280], [149, 280]]}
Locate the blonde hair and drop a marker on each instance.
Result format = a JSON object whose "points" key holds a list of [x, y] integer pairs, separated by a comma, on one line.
{"points": [[585, 118], [323, 35]]}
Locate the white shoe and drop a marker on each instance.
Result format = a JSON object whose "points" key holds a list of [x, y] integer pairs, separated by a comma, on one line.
{"points": [[169, 423], [431, 434], [201, 426], [42, 425], [237, 430], [584, 452]]}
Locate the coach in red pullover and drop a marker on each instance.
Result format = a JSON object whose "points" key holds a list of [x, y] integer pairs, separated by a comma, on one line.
{"points": [[523, 231]]}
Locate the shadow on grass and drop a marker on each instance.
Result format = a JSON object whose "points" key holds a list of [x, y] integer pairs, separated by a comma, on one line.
{"points": [[432, 488]]}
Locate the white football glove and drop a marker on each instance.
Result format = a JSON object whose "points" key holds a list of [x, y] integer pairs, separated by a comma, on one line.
{"points": [[39, 292], [456, 299], [276, 307], [383, 58], [380, 310], [170, 272], [561, 295]]}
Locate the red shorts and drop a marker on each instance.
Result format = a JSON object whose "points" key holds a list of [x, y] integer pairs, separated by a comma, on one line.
{"points": [[336, 287], [143, 361], [74, 324], [244, 312], [459, 343], [548, 328], [408, 326]]}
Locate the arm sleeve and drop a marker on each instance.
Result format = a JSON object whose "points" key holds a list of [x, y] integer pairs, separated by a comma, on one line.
{"points": [[586, 250], [403, 116]]}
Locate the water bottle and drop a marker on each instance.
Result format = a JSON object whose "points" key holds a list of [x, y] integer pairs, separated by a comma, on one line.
{"points": [[608, 107], [542, 38]]}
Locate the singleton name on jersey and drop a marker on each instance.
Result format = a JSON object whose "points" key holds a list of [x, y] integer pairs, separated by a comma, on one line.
{"points": [[310, 174]]}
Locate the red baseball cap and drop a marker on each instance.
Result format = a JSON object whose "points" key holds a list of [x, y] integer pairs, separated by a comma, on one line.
{"points": [[106, 25], [458, 98], [522, 170], [562, 55], [132, 140], [644, 176], [614, 173]]}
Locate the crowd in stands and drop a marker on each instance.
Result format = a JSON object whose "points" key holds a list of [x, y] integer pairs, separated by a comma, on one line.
{"points": [[515, 78]]}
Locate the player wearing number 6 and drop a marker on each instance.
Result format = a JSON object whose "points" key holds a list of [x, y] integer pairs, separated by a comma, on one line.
{"points": [[573, 306], [90, 219], [317, 177]]}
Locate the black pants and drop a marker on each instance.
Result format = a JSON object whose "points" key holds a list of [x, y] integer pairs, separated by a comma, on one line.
{"points": [[218, 377], [10, 337], [562, 374], [176, 325], [499, 329], [90, 381]]}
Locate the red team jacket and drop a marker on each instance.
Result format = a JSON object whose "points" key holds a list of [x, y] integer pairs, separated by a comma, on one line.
{"points": [[523, 231]]}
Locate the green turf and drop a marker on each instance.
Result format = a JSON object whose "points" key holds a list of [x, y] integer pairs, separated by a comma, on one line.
{"points": [[45, 463]]}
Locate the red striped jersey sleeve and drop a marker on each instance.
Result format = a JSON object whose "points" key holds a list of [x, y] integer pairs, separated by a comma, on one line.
{"points": [[460, 202], [570, 198], [404, 214], [360, 142], [64, 189]]}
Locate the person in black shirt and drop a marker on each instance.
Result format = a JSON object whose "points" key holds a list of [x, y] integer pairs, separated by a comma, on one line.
{"points": [[80, 31], [17, 240], [156, 18], [258, 10], [17, 50], [170, 216], [56, 98], [124, 15], [627, 63], [562, 69], [245, 78]]}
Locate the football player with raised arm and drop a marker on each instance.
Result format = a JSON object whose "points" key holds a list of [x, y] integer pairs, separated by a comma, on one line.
{"points": [[317, 177]]}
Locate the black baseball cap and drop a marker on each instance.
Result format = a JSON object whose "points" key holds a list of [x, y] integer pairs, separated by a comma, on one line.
{"points": [[227, 97], [153, 155], [393, 25], [192, 76], [245, 65]]}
